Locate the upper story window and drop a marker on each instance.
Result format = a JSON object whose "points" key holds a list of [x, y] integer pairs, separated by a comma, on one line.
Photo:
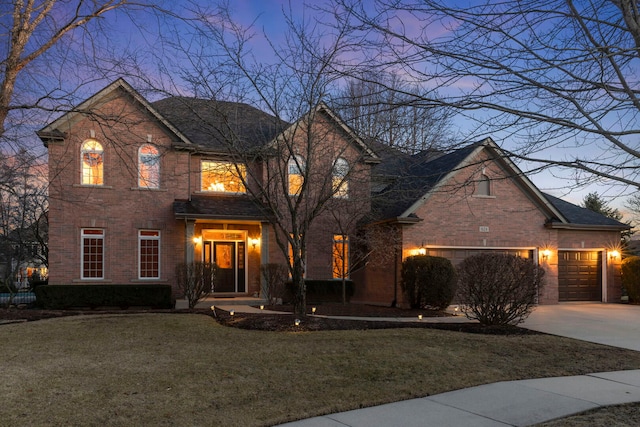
{"points": [[148, 167], [339, 178], [92, 155], [295, 170], [484, 186], [222, 177]]}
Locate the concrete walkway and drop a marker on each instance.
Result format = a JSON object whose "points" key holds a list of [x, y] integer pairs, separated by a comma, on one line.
{"points": [[509, 403]]}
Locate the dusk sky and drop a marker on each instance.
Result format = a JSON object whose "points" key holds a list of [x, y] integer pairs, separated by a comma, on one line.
{"points": [[267, 16]]}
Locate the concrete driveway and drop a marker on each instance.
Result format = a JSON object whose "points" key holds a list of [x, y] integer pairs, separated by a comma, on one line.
{"points": [[616, 325]]}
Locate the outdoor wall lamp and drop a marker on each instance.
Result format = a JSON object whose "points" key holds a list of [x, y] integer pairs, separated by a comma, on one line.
{"points": [[197, 240], [422, 251], [546, 254], [255, 242], [613, 255]]}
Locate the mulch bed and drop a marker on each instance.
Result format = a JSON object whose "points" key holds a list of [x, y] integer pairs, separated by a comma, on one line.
{"points": [[285, 322]]}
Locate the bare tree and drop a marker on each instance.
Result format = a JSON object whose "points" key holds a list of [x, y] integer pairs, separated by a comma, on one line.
{"points": [[23, 218], [380, 107], [545, 74], [294, 177]]}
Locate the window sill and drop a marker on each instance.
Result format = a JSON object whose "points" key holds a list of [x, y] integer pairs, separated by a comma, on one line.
{"points": [[149, 280], [162, 190], [91, 280], [479, 196], [92, 186]]}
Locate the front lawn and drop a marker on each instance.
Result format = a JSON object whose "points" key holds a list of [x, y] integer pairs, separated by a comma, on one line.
{"points": [[186, 369]]}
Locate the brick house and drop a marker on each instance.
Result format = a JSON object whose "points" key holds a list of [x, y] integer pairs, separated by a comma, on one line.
{"points": [[475, 200], [137, 187]]}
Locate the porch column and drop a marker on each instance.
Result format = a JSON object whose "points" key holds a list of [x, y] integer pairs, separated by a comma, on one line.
{"points": [[189, 231]]}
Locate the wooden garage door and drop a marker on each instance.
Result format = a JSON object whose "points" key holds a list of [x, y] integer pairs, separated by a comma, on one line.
{"points": [[579, 276]]}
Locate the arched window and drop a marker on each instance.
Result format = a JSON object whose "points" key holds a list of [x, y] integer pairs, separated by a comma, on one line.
{"points": [[148, 167], [295, 169], [92, 155], [484, 186], [339, 178]]}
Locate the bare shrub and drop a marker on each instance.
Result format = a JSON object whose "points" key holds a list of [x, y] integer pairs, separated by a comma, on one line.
{"points": [[275, 276], [498, 289], [196, 280]]}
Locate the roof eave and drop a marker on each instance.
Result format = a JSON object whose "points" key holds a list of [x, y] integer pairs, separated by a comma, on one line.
{"points": [[589, 227]]}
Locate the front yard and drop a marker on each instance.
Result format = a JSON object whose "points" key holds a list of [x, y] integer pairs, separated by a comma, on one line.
{"points": [[186, 369]]}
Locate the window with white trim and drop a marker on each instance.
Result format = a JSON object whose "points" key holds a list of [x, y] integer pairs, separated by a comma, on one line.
{"points": [[295, 172], [148, 167], [222, 177], [92, 264], [92, 157], [149, 254], [484, 186], [339, 178]]}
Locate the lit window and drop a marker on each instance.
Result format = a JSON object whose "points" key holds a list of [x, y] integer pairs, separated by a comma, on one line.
{"points": [[295, 170], [339, 178], [149, 250], [223, 177], [484, 186], [148, 167], [340, 256], [92, 266], [92, 163]]}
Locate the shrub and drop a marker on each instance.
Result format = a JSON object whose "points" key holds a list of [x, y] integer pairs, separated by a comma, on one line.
{"points": [[498, 289], [196, 280], [319, 291], [631, 277], [60, 297], [275, 276], [428, 281]]}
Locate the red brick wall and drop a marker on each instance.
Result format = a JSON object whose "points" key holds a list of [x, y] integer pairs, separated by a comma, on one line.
{"points": [[119, 207]]}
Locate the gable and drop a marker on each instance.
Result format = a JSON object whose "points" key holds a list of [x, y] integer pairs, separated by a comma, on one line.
{"points": [[57, 130]]}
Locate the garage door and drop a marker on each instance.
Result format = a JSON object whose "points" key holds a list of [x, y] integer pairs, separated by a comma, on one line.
{"points": [[580, 276], [457, 255]]}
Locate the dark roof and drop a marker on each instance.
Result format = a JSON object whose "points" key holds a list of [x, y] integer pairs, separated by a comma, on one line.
{"points": [[240, 207], [413, 177], [213, 124], [582, 216]]}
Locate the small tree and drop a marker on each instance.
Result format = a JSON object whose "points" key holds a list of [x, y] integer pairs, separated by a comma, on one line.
{"points": [[631, 277], [196, 280], [498, 289], [428, 281], [275, 277]]}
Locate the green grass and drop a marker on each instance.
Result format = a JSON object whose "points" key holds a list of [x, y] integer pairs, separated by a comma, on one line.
{"points": [[180, 369]]}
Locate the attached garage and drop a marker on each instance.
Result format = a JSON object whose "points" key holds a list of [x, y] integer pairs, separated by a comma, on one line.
{"points": [[579, 276]]}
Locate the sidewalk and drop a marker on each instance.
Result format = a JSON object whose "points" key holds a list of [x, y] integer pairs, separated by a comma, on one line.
{"points": [[509, 403]]}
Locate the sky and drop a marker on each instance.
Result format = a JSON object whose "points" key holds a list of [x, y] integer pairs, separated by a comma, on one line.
{"points": [[127, 32]]}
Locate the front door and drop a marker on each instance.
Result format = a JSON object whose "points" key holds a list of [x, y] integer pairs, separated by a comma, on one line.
{"points": [[229, 256]]}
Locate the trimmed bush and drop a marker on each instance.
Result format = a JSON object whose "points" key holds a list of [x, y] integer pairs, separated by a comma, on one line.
{"points": [[428, 281], [631, 277], [498, 289], [60, 297], [319, 291]]}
